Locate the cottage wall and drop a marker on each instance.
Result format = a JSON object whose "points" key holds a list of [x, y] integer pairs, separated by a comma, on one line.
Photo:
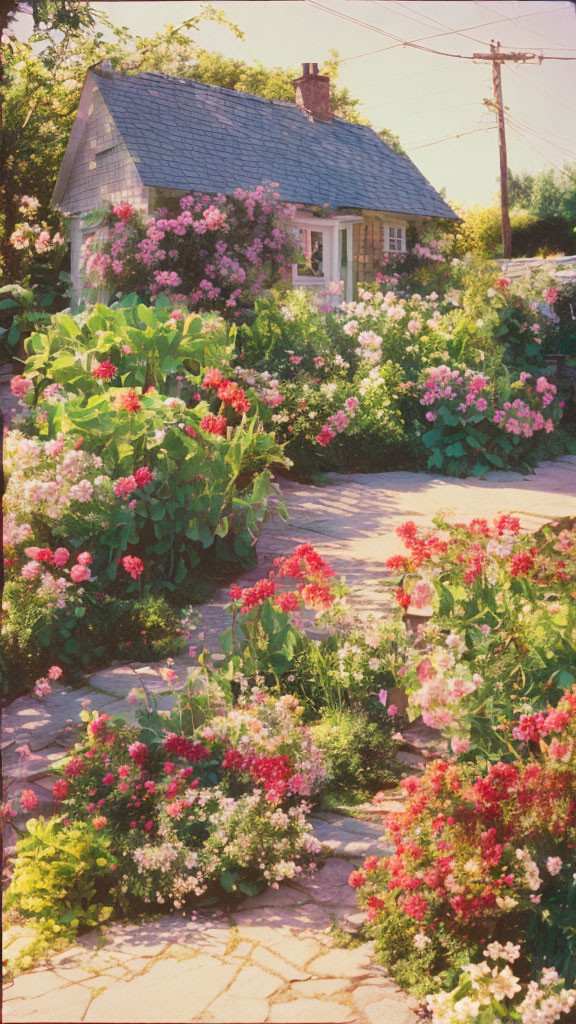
{"points": [[103, 171], [103, 168], [368, 241]]}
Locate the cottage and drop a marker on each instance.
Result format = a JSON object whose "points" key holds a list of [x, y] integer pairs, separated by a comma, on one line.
{"points": [[148, 138]]}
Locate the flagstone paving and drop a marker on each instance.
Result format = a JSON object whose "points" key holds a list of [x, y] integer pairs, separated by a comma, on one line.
{"points": [[272, 958]]}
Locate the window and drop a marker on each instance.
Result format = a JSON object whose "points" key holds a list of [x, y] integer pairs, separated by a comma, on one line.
{"points": [[311, 260], [395, 239]]}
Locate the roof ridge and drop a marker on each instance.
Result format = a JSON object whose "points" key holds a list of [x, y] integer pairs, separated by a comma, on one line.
{"points": [[125, 76]]}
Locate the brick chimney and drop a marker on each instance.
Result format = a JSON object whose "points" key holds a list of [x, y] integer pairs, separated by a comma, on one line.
{"points": [[313, 93]]}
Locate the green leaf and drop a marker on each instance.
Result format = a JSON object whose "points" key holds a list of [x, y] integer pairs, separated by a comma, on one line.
{"points": [[228, 881]]}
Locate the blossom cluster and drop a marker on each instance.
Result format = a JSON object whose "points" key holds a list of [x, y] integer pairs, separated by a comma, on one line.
{"points": [[176, 829], [471, 848], [214, 252], [313, 591]]}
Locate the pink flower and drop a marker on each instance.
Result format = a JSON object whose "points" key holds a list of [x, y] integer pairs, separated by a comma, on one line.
{"points": [[393, 710], [29, 800], [138, 752], [61, 556], [422, 594], [42, 688], [60, 789], [30, 570], [459, 746], [325, 436], [80, 573], [55, 672], [84, 558], [143, 476], [53, 448], [383, 697], [20, 386], [124, 486], [554, 865]]}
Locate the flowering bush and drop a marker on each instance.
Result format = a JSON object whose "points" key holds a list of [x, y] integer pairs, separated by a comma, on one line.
{"points": [[65, 524], [131, 383], [209, 798], [133, 449], [478, 425], [480, 856], [490, 991], [34, 239], [502, 637], [214, 252]]}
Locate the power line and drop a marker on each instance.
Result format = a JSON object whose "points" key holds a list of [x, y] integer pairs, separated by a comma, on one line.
{"points": [[413, 43], [535, 32], [449, 138], [522, 126], [544, 92], [546, 132], [538, 152]]}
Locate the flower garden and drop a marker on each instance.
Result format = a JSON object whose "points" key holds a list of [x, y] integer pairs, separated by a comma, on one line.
{"points": [[152, 433]]}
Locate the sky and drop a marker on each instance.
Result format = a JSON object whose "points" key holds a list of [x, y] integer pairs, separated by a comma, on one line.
{"points": [[433, 103]]}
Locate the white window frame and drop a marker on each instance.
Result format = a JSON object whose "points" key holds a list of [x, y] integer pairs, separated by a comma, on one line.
{"points": [[394, 234], [331, 256]]}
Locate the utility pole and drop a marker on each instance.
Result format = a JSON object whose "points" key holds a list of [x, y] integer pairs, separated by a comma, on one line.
{"points": [[497, 58]]}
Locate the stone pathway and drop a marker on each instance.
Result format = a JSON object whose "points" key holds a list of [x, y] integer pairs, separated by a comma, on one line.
{"points": [[272, 959]]}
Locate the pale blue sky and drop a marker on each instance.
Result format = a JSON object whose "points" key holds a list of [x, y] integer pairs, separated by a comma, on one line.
{"points": [[420, 96]]}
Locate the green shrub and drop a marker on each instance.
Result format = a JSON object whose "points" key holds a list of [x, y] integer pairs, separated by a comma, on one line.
{"points": [[359, 752], [60, 877]]}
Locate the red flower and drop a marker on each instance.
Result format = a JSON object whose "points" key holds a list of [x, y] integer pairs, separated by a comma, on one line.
{"points": [[256, 595], [318, 597], [520, 563], [402, 597], [357, 879], [29, 800], [213, 424], [129, 401], [105, 371], [398, 563], [138, 752], [143, 476], [188, 749], [133, 566], [76, 766], [99, 822], [415, 906], [507, 524], [123, 211], [288, 602], [60, 789]]}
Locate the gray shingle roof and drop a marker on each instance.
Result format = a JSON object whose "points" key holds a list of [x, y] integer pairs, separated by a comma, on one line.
{"points": [[187, 135]]}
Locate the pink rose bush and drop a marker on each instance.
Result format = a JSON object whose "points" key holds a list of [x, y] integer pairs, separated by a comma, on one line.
{"points": [[214, 252], [477, 424]]}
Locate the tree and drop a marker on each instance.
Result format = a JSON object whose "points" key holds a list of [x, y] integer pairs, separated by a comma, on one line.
{"points": [[520, 188]]}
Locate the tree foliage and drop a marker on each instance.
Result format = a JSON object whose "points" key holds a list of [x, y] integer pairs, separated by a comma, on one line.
{"points": [[43, 79]]}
